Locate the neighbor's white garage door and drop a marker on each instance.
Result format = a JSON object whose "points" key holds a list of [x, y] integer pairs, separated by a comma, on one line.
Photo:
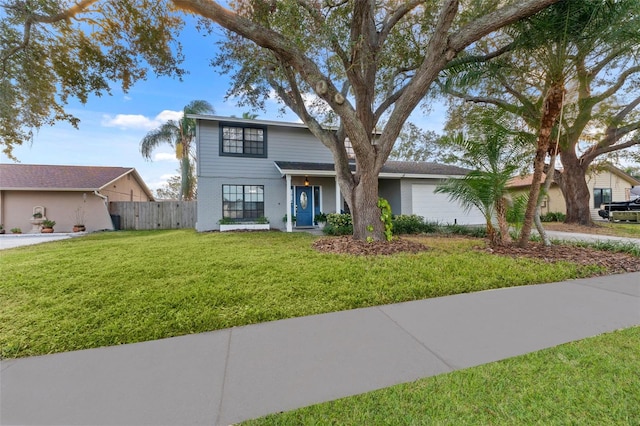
{"points": [[438, 208]]}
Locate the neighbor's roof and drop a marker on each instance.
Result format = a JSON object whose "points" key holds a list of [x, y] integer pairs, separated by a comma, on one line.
{"points": [[32, 177], [391, 169], [525, 181]]}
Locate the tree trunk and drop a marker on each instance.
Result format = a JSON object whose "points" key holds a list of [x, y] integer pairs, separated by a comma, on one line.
{"points": [[365, 212], [534, 193], [575, 190], [552, 106], [503, 225]]}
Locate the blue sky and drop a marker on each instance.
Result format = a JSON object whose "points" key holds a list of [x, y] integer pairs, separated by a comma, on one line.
{"points": [[111, 127]]}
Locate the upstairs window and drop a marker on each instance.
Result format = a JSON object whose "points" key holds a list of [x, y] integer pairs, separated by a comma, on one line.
{"points": [[245, 141]]}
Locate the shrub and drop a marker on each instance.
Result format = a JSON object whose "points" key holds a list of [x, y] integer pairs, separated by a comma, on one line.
{"points": [[471, 231], [338, 224], [408, 224], [553, 217]]}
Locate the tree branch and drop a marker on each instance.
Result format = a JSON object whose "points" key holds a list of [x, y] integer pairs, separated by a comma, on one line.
{"points": [[35, 18], [394, 17], [622, 78], [495, 20], [596, 150]]}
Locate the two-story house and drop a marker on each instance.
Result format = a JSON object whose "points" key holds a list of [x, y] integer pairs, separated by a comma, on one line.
{"points": [[249, 169]]}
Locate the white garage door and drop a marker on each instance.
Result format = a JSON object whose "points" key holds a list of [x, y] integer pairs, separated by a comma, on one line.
{"points": [[438, 208]]}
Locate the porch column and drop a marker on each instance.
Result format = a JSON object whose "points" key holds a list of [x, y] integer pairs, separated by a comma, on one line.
{"points": [[337, 196], [288, 206]]}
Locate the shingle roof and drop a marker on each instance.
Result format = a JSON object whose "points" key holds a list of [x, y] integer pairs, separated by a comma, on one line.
{"points": [[49, 177], [395, 167]]}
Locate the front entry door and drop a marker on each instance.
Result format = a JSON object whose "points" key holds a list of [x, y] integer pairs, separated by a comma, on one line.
{"points": [[304, 206]]}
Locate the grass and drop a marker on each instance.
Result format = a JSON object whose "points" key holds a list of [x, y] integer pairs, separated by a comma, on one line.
{"points": [[588, 382], [125, 287], [622, 229]]}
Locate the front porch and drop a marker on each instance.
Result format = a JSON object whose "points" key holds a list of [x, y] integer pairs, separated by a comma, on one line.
{"points": [[311, 188]]}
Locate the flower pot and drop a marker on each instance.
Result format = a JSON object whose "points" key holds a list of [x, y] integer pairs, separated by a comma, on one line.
{"points": [[78, 228], [47, 230]]}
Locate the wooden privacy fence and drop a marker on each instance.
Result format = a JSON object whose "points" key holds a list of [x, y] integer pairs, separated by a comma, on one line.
{"points": [[136, 215]]}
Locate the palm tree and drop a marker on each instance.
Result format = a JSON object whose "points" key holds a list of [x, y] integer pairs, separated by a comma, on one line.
{"points": [[496, 153], [179, 134]]}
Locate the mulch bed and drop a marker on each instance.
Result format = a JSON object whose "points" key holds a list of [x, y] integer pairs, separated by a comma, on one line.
{"points": [[347, 245], [613, 262]]}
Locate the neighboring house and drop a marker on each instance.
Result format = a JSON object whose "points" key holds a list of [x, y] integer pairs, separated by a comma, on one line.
{"points": [[66, 192], [606, 184], [252, 168]]}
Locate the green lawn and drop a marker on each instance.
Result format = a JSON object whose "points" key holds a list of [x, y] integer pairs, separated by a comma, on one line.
{"points": [[124, 287], [622, 229], [589, 382]]}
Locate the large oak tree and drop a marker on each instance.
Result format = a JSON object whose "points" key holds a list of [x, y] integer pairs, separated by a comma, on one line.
{"points": [[362, 61]]}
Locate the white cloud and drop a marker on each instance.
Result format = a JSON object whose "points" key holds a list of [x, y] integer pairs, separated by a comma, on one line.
{"points": [[165, 156], [138, 121]]}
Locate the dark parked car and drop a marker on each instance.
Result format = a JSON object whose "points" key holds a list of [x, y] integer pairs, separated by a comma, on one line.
{"points": [[619, 206]]}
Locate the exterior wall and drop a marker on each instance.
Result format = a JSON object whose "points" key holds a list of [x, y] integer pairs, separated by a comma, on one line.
{"points": [[17, 209], [127, 188], [620, 188], [390, 189], [283, 144], [554, 203]]}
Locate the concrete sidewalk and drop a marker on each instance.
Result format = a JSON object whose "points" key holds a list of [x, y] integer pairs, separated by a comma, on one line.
{"points": [[591, 238], [236, 374]]}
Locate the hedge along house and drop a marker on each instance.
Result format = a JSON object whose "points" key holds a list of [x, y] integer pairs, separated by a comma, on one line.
{"points": [[67, 194], [248, 169]]}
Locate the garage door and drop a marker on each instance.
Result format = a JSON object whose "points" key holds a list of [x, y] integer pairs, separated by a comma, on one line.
{"points": [[438, 208]]}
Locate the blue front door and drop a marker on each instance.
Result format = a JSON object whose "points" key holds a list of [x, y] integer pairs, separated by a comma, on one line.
{"points": [[304, 206]]}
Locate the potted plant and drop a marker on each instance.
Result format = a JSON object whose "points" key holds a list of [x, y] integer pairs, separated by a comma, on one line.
{"points": [[320, 219], [37, 215], [47, 226], [1, 229], [293, 219], [79, 222], [16, 231]]}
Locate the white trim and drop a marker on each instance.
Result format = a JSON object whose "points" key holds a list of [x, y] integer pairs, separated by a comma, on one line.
{"points": [[246, 121], [288, 204], [338, 192], [244, 227]]}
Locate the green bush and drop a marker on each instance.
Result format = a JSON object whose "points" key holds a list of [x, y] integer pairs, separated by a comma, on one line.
{"points": [[408, 224], [553, 217], [338, 224], [471, 231]]}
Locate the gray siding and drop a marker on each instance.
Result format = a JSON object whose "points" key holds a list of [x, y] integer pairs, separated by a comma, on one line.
{"points": [[389, 189], [283, 144]]}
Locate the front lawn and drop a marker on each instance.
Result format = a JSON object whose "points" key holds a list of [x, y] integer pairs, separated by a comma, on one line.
{"points": [[124, 287], [589, 382]]}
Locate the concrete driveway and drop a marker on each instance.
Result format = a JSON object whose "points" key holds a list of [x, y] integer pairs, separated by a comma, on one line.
{"points": [[8, 241]]}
